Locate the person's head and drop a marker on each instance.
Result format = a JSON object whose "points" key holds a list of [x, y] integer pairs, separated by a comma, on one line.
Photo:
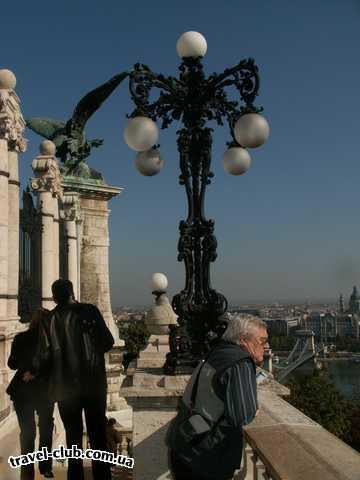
{"points": [[37, 317], [250, 333], [63, 291]]}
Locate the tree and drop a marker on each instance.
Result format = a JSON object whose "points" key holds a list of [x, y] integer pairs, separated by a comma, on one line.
{"points": [[317, 397], [282, 342], [135, 335], [354, 415]]}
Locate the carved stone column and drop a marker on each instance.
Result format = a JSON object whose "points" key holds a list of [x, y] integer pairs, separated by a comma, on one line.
{"points": [[12, 125], [13, 236], [72, 218], [56, 238], [4, 220], [11, 142], [47, 185]]}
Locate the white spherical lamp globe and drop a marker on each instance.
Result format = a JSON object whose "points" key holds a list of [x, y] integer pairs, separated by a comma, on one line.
{"points": [[158, 282], [191, 44], [7, 79], [149, 163], [237, 160], [141, 133], [251, 130]]}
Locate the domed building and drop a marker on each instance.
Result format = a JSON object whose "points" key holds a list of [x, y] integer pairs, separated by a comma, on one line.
{"points": [[348, 321], [354, 302]]}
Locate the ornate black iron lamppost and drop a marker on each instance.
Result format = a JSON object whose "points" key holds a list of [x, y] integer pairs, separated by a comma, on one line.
{"points": [[194, 99]]}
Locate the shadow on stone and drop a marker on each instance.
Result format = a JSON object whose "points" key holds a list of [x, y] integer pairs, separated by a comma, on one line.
{"points": [[150, 455]]}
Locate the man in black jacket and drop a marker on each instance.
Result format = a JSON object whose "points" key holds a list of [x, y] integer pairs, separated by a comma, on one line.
{"points": [[205, 438], [74, 345]]}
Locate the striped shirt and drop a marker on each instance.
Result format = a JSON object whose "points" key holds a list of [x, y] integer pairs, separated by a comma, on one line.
{"points": [[239, 382]]}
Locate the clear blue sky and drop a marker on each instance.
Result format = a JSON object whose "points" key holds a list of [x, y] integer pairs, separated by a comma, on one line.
{"points": [[289, 228]]}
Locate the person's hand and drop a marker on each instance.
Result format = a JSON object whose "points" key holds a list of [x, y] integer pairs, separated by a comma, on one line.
{"points": [[27, 377]]}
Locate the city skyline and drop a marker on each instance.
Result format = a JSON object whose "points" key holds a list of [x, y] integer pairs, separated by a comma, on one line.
{"points": [[288, 228]]}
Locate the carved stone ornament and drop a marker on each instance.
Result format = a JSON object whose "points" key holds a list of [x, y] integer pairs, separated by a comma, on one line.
{"points": [[70, 210], [12, 123], [48, 176]]}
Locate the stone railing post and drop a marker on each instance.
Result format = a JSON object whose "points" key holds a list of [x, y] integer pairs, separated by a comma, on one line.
{"points": [[12, 125], [47, 185]]}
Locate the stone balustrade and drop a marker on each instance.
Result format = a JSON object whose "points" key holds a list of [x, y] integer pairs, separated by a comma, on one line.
{"points": [[283, 443], [124, 447]]}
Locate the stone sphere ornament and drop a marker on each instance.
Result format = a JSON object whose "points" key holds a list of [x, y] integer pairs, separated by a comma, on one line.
{"points": [[149, 163], [158, 282], [191, 44], [7, 79], [237, 160], [47, 147], [141, 133], [251, 130]]}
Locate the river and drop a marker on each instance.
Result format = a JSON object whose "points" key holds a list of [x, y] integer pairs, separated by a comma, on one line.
{"points": [[344, 373]]}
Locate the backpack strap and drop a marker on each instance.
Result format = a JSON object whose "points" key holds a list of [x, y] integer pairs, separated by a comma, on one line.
{"points": [[195, 388], [196, 383]]}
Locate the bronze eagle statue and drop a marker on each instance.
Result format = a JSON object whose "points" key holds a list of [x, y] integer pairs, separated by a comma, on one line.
{"points": [[72, 148]]}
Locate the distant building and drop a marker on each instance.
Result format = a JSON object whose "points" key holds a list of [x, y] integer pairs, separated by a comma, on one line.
{"points": [[345, 325], [341, 304], [328, 326], [348, 322], [282, 326], [248, 311]]}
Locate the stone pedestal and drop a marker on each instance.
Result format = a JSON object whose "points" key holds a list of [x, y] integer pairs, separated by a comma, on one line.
{"points": [[94, 266], [154, 355], [94, 256], [160, 315], [153, 397], [157, 321]]}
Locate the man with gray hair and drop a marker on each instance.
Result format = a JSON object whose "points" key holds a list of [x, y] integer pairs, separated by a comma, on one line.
{"points": [[205, 438]]}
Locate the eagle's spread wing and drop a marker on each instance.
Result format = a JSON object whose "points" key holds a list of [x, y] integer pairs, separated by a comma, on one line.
{"points": [[46, 127], [90, 103]]}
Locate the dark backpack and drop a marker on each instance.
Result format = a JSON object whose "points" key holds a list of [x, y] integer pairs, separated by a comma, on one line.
{"points": [[206, 447]]}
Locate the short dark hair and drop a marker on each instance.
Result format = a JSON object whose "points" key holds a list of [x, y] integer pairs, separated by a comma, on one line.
{"points": [[62, 290]]}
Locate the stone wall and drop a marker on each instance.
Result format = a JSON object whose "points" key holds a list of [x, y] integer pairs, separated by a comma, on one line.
{"points": [[95, 286]]}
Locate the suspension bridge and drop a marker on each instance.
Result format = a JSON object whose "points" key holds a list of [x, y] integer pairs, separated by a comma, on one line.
{"points": [[304, 350]]}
